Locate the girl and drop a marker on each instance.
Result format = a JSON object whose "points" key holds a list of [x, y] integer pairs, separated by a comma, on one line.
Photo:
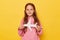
{"points": [[24, 32]]}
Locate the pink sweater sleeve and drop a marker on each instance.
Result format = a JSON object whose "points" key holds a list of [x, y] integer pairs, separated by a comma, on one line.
{"points": [[20, 31], [40, 31]]}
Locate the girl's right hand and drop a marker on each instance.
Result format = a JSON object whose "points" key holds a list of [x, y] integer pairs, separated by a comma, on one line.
{"points": [[21, 27]]}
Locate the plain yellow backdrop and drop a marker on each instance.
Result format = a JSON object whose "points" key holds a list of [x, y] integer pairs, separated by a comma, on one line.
{"points": [[12, 11]]}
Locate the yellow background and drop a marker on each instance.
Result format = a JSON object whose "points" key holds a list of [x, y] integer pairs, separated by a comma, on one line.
{"points": [[12, 11]]}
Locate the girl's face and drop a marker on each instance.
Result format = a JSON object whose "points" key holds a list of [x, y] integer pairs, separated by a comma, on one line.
{"points": [[29, 10]]}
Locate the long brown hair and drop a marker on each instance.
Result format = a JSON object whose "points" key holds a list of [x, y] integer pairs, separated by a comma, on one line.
{"points": [[34, 14]]}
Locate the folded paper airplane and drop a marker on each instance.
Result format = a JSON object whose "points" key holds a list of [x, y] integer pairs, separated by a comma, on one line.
{"points": [[29, 25]]}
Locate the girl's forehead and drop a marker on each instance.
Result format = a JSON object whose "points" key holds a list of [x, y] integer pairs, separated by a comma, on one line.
{"points": [[29, 6]]}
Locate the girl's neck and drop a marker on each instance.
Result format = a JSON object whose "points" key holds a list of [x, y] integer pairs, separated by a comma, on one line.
{"points": [[30, 16]]}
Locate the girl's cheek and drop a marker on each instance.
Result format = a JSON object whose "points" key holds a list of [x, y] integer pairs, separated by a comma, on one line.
{"points": [[31, 12], [27, 12]]}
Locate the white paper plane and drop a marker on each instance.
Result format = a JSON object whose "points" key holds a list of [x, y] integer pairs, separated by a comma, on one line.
{"points": [[29, 25]]}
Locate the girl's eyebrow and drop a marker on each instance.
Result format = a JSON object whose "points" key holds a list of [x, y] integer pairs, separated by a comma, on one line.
{"points": [[31, 9]]}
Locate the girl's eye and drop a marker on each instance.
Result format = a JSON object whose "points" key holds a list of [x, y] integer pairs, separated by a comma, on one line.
{"points": [[27, 9], [31, 9]]}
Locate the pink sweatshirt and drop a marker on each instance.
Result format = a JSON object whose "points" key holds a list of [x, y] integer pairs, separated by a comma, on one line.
{"points": [[29, 35]]}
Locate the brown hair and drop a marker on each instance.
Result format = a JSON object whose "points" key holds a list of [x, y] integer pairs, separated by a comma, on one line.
{"points": [[34, 14]]}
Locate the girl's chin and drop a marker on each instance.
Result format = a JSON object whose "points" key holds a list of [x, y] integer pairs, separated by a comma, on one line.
{"points": [[29, 15]]}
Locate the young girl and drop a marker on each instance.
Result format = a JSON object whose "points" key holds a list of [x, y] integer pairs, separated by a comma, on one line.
{"points": [[25, 32]]}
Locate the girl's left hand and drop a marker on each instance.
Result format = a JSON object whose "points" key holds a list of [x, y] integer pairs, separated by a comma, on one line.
{"points": [[38, 28]]}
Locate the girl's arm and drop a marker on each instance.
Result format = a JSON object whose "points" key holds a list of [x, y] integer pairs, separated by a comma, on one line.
{"points": [[39, 30], [20, 29]]}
